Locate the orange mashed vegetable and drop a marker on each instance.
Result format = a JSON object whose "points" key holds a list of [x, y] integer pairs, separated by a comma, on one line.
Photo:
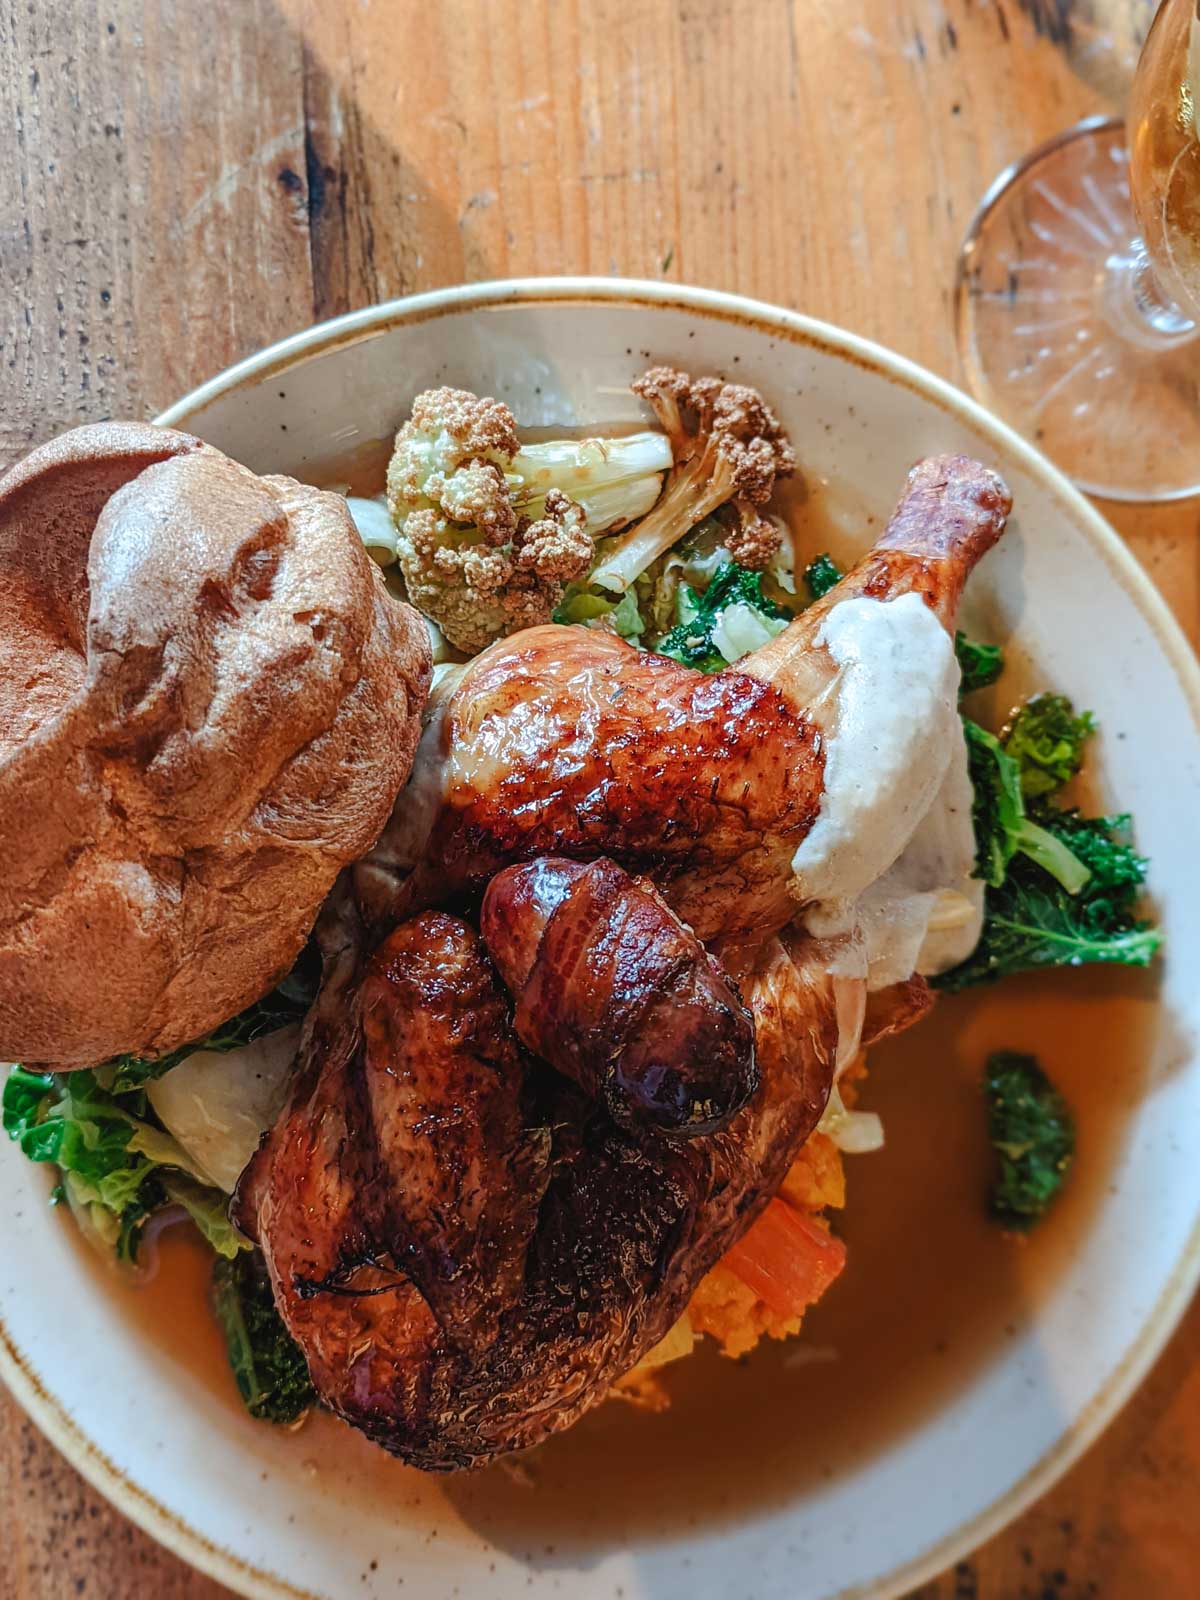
{"points": [[723, 1307]]}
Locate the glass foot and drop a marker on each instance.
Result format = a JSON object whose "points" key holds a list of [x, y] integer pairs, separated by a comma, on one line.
{"points": [[1062, 331]]}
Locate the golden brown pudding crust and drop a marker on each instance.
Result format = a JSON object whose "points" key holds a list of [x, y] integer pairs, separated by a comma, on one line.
{"points": [[208, 703]]}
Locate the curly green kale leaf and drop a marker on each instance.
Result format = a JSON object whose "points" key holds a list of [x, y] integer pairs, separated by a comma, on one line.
{"points": [[1033, 1133], [730, 618], [1046, 739], [1002, 826], [268, 1365], [980, 665], [1031, 922], [820, 575]]}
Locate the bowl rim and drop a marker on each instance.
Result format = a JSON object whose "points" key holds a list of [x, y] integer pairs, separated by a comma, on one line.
{"points": [[170, 1529]]}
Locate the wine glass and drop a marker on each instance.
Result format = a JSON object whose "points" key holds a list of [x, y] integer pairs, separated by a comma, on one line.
{"points": [[1077, 321]]}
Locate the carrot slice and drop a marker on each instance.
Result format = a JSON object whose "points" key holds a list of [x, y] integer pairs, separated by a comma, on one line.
{"points": [[787, 1259]]}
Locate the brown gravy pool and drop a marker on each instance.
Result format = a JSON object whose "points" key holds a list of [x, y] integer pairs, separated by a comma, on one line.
{"points": [[931, 1293]]}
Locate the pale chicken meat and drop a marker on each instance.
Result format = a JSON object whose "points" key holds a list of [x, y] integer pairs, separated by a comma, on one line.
{"points": [[503, 1169]]}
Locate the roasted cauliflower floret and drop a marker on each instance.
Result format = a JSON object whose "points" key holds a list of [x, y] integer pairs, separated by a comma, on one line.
{"points": [[728, 446], [558, 547], [478, 494], [478, 590], [449, 428], [490, 532], [754, 540]]}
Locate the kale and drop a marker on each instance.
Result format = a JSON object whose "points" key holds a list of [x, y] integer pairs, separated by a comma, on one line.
{"points": [[1002, 826], [268, 1365], [997, 811], [821, 575], [1033, 1133], [737, 585], [980, 664], [1061, 887], [117, 1165], [1031, 922], [1105, 846], [1046, 740], [704, 639]]}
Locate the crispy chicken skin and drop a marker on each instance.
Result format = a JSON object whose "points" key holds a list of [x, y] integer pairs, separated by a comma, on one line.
{"points": [[475, 1298], [613, 990], [459, 1178], [567, 741], [469, 1246]]}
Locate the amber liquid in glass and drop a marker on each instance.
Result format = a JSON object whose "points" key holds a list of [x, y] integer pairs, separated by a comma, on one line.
{"points": [[1165, 152]]}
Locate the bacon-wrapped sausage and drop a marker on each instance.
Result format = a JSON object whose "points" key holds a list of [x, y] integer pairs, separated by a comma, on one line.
{"points": [[613, 990]]}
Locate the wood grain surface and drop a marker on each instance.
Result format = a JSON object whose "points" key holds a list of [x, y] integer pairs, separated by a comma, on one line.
{"points": [[184, 182]]}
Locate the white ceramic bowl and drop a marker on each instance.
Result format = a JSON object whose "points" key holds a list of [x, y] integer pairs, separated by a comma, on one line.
{"points": [[623, 1508]]}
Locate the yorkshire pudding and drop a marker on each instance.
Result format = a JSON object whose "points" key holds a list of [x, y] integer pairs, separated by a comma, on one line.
{"points": [[208, 704]]}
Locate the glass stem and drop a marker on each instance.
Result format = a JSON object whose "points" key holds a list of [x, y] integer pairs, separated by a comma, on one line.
{"points": [[1135, 304]]}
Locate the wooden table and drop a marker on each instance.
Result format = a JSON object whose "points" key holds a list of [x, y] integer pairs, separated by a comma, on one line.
{"points": [[184, 182]]}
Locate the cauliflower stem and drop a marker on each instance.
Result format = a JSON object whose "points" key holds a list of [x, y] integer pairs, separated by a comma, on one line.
{"points": [[614, 480]]}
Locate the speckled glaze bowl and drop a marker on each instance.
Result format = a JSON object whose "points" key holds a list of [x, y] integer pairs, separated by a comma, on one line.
{"points": [[747, 1488]]}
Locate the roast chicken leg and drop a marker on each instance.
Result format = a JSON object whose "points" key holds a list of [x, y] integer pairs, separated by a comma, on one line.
{"points": [[568, 741]]}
